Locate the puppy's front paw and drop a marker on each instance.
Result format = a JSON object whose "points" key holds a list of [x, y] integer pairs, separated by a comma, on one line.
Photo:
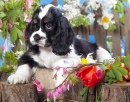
{"points": [[17, 79]]}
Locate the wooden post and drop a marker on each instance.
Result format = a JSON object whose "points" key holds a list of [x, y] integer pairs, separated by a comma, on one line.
{"points": [[127, 28], [3, 75], [116, 93], [116, 36], [18, 93], [99, 31]]}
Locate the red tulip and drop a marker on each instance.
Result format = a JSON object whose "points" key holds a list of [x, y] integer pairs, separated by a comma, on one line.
{"points": [[91, 75]]}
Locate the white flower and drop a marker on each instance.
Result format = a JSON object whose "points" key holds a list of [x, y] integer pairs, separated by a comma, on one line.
{"points": [[110, 3], [91, 16], [106, 20], [59, 7], [95, 4], [90, 58], [19, 54]]}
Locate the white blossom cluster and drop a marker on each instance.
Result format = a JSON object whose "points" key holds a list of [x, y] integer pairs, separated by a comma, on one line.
{"points": [[72, 9]]}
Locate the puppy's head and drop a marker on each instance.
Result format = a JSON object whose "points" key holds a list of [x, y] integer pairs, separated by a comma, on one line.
{"points": [[49, 28]]}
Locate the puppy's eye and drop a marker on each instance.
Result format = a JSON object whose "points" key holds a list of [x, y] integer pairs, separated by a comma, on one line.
{"points": [[48, 26], [35, 21]]}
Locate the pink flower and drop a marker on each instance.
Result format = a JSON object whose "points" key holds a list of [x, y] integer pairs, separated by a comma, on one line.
{"points": [[3, 47], [24, 36], [40, 88], [4, 10], [63, 88], [27, 19], [112, 63], [0, 23], [75, 73], [64, 71], [70, 83], [10, 26], [36, 82], [59, 90], [29, 3], [48, 95], [57, 68]]}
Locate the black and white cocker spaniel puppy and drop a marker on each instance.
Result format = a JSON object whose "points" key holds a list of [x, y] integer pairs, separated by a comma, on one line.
{"points": [[52, 43]]}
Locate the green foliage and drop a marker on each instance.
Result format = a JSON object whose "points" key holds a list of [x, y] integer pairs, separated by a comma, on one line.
{"points": [[103, 67], [118, 71], [1, 51], [73, 78], [99, 98], [9, 58], [111, 27], [81, 20], [127, 61], [118, 7], [5, 68], [122, 18], [84, 94]]}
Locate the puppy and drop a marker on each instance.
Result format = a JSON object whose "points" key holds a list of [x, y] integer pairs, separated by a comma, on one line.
{"points": [[52, 42]]}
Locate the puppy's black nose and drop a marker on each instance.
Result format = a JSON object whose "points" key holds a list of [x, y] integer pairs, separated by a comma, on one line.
{"points": [[36, 37]]}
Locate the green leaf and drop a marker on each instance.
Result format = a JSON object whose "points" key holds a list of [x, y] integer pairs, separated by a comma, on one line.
{"points": [[103, 67], [110, 74], [13, 14], [127, 61], [5, 68], [13, 33], [2, 14], [84, 94], [118, 7], [122, 70], [125, 0], [116, 63], [122, 18], [111, 27], [20, 34], [1, 51], [117, 73], [100, 97]]}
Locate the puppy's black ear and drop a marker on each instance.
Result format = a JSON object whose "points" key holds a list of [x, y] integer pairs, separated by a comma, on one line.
{"points": [[64, 37], [28, 35]]}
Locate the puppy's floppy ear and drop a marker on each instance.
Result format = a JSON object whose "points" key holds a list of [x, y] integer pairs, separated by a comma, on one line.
{"points": [[64, 37], [28, 35]]}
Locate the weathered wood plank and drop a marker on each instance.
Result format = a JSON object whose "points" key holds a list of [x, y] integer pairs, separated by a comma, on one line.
{"points": [[18, 93], [116, 93], [55, 2], [99, 31], [127, 28], [116, 36], [85, 32]]}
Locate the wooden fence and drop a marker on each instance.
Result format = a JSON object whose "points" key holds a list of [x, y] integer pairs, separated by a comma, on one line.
{"points": [[100, 33]]}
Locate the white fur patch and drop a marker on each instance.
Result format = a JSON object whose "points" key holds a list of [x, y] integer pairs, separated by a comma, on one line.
{"points": [[22, 75], [45, 10], [102, 54], [41, 41]]}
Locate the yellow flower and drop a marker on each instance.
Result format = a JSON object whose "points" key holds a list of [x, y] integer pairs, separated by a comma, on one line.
{"points": [[123, 56], [105, 20], [83, 61]]}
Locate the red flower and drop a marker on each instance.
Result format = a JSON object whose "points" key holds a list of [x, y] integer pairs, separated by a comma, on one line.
{"points": [[91, 75]]}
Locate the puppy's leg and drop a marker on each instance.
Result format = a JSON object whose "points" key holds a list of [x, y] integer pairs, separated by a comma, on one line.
{"points": [[22, 75], [64, 63]]}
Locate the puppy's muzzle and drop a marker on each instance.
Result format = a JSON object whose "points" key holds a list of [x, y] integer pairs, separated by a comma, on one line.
{"points": [[37, 37]]}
